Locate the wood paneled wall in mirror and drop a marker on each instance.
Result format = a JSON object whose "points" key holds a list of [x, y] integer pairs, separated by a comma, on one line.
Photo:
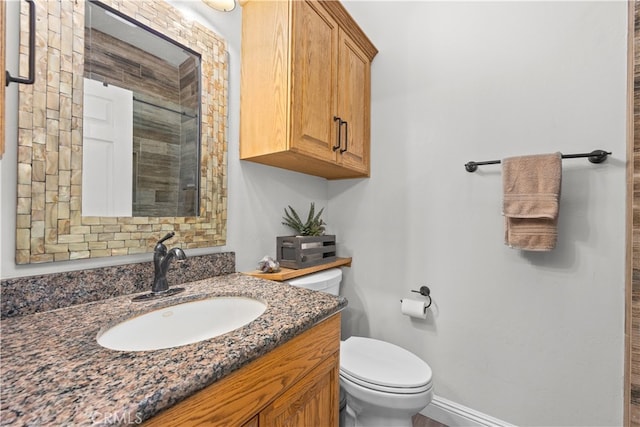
{"points": [[50, 222]]}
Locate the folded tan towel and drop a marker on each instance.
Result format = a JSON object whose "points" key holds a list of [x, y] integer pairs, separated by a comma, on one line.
{"points": [[531, 199]]}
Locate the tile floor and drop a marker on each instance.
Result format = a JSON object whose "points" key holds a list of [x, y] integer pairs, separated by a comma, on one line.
{"points": [[422, 421]]}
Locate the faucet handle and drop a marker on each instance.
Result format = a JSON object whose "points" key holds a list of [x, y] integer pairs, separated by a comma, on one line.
{"points": [[160, 248], [167, 237]]}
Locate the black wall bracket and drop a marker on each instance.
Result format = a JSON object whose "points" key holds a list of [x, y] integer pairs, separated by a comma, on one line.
{"points": [[32, 50]]}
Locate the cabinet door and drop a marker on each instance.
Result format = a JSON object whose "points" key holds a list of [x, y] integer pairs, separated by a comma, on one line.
{"points": [[313, 81], [354, 93], [313, 401]]}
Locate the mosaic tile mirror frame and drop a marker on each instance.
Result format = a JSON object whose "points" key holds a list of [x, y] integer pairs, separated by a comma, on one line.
{"points": [[49, 223]]}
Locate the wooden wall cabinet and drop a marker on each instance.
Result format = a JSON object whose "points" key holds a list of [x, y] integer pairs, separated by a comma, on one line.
{"points": [[297, 384], [305, 88]]}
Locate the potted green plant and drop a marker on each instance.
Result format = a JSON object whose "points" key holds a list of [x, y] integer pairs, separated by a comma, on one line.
{"points": [[314, 226], [310, 246]]}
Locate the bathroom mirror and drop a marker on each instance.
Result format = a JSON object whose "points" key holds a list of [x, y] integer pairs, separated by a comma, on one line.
{"points": [[141, 126], [51, 225]]}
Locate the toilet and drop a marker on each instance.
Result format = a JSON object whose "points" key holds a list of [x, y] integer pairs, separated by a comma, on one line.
{"points": [[385, 385]]}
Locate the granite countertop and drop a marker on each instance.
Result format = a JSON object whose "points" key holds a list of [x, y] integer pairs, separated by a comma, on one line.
{"points": [[53, 372]]}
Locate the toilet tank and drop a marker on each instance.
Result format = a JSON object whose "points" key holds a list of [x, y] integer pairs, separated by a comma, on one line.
{"points": [[325, 281]]}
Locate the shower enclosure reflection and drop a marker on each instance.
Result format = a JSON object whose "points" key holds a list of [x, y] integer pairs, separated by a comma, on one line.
{"points": [[141, 130]]}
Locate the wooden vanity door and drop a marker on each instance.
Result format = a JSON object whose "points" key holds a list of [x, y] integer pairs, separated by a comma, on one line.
{"points": [[313, 401]]}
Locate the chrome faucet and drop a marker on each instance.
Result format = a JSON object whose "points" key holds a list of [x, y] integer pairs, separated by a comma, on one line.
{"points": [[161, 260]]}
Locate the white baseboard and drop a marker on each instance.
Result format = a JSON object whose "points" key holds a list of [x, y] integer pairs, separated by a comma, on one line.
{"points": [[455, 415]]}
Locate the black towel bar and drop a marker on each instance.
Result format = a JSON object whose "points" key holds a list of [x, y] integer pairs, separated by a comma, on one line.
{"points": [[596, 156]]}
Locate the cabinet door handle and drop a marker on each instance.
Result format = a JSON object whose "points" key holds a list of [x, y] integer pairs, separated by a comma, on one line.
{"points": [[346, 136], [338, 127]]}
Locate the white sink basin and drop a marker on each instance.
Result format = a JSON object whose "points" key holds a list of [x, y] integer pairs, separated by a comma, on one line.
{"points": [[181, 324]]}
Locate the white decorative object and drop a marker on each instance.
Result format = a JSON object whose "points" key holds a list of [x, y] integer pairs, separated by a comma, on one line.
{"points": [[268, 265]]}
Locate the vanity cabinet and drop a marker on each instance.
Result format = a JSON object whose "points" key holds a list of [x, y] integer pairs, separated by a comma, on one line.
{"points": [[295, 384], [305, 88]]}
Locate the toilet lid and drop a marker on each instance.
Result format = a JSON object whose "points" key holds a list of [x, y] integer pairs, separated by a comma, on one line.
{"points": [[384, 364]]}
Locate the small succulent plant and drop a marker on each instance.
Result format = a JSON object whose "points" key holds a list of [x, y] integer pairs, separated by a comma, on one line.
{"points": [[314, 226]]}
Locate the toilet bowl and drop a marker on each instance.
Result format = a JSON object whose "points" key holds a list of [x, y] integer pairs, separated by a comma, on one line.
{"points": [[385, 385]]}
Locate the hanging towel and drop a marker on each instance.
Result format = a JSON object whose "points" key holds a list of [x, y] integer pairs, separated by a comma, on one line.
{"points": [[531, 200]]}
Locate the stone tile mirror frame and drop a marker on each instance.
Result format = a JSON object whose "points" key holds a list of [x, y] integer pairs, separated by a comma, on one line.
{"points": [[49, 223]]}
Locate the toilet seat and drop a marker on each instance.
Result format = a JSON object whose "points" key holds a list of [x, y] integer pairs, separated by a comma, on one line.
{"points": [[382, 366], [389, 390]]}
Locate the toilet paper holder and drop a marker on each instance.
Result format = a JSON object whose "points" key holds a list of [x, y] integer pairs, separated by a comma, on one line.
{"points": [[426, 292]]}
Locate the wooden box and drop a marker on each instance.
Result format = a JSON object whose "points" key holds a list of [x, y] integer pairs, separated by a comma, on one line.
{"points": [[305, 251]]}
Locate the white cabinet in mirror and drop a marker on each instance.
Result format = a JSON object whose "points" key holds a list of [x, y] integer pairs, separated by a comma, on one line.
{"points": [[107, 147]]}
